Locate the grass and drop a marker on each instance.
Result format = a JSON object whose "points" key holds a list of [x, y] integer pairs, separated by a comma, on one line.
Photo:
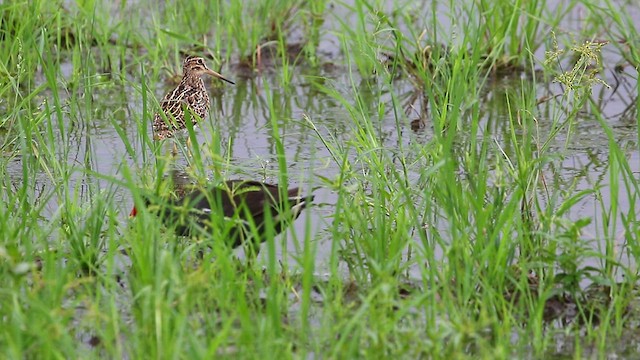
{"points": [[505, 226]]}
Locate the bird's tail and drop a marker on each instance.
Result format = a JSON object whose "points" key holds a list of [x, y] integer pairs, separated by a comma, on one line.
{"points": [[298, 202]]}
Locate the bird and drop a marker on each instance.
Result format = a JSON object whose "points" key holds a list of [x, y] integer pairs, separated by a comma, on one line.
{"points": [[243, 209], [190, 94]]}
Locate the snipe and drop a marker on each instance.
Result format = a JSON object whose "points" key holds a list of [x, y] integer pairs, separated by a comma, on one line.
{"points": [[190, 94]]}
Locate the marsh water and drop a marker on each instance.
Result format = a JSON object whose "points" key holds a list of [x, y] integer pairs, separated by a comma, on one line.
{"points": [[242, 117]]}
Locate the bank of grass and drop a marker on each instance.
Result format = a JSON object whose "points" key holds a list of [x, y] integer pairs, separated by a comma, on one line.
{"points": [[456, 245]]}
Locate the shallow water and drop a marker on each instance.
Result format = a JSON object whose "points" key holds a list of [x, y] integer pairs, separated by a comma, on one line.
{"points": [[241, 117]]}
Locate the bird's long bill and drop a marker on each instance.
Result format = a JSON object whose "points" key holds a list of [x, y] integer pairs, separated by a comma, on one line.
{"points": [[219, 76]]}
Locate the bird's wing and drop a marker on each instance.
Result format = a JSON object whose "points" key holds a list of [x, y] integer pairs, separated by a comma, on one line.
{"points": [[173, 111], [241, 199]]}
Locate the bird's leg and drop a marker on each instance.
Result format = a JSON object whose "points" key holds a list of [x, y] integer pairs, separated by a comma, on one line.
{"points": [[174, 152], [188, 144], [250, 250]]}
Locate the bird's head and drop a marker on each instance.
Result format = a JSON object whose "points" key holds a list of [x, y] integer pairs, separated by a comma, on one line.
{"points": [[195, 66], [147, 199], [159, 198]]}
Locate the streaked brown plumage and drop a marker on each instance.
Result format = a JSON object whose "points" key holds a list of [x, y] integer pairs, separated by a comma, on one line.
{"points": [[190, 93], [243, 207]]}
